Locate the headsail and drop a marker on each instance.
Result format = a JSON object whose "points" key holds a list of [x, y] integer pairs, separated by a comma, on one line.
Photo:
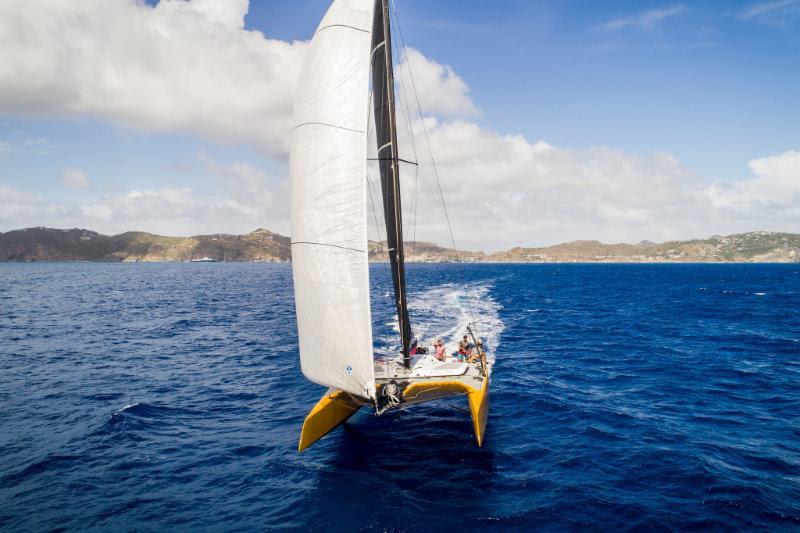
{"points": [[329, 209], [386, 134]]}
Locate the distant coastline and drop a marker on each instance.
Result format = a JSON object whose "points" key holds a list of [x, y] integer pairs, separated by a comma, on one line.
{"points": [[261, 245]]}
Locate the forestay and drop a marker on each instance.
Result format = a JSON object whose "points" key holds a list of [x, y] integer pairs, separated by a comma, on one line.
{"points": [[329, 210]]}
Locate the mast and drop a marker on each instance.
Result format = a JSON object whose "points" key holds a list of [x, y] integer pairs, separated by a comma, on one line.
{"points": [[386, 133]]}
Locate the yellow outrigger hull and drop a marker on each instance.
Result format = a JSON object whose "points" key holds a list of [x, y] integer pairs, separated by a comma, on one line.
{"points": [[331, 410], [336, 407]]}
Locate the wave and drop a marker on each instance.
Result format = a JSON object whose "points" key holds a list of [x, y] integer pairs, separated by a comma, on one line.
{"points": [[152, 410], [48, 463], [630, 399], [129, 406]]}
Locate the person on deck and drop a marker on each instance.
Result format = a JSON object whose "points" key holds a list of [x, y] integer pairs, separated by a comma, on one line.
{"points": [[463, 348], [440, 351], [475, 354]]}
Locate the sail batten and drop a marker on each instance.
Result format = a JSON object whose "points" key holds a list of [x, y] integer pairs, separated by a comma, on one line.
{"points": [[329, 203]]}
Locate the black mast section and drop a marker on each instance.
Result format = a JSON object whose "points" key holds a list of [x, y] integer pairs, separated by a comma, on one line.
{"points": [[386, 134]]}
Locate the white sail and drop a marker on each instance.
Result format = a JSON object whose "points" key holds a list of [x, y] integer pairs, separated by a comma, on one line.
{"points": [[329, 208]]}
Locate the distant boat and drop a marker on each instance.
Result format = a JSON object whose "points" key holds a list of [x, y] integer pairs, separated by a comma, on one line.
{"points": [[205, 259], [328, 171]]}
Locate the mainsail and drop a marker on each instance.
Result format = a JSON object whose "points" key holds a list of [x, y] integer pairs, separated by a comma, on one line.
{"points": [[328, 157]]}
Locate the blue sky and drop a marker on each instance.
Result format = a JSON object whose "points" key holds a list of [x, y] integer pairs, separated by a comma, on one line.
{"points": [[679, 98], [705, 83]]}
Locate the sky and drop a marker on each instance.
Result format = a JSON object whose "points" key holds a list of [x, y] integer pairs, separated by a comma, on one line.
{"points": [[549, 121]]}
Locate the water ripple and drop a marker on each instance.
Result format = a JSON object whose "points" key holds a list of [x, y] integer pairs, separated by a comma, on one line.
{"points": [[625, 397]]}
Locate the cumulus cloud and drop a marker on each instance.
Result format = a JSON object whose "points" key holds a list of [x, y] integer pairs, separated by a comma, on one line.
{"points": [[19, 205], [185, 66], [75, 179], [148, 209], [504, 190], [258, 196], [441, 91], [775, 188], [501, 191], [247, 203], [184, 212], [191, 66]]}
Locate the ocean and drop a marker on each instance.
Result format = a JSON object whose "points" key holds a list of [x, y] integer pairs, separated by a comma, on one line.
{"points": [[156, 397]]}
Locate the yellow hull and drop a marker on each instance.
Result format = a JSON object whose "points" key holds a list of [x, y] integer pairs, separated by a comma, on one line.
{"points": [[479, 407], [330, 411], [336, 407]]}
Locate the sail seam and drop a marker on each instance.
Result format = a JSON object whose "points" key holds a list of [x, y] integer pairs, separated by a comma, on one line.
{"points": [[331, 245], [327, 124], [341, 26]]}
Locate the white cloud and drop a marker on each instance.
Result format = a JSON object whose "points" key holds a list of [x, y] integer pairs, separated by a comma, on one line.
{"points": [[75, 179], [501, 191], [250, 199], [644, 20], [769, 8], [188, 66], [254, 193], [441, 91], [775, 188], [191, 66], [97, 211], [38, 146], [19, 205], [504, 191], [146, 209], [171, 211], [14, 202], [249, 185]]}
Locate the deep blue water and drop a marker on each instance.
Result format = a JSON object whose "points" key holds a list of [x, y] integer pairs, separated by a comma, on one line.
{"points": [[169, 396]]}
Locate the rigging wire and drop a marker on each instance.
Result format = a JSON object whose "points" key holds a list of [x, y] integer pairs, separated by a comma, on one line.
{"points": [[430, 150], [410, 131]]}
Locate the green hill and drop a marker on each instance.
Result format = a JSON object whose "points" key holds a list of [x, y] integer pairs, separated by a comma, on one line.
{"points": [[46, 244], [753, 247]]}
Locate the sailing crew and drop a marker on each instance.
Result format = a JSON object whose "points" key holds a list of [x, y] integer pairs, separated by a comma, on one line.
{"points": [[463, 349], [475, 354], [463, 346], [413, 350], [440, 351]]}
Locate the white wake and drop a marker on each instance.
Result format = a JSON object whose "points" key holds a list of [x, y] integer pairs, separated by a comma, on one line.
{"points": [[445, 311]]}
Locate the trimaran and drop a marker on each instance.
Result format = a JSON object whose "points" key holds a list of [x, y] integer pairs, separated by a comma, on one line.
{"points": [[328, 169]]}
